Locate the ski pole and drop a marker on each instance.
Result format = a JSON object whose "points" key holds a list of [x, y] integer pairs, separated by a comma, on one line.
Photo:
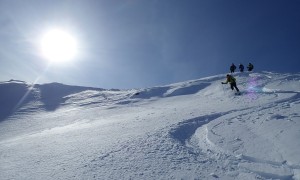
{"points": [[223, 89]]}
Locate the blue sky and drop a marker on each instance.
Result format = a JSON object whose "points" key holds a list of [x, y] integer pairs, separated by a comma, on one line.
{"points": [[144, 43]]}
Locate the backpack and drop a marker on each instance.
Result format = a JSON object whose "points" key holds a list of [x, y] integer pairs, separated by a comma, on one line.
{"points": [[231, 79]]}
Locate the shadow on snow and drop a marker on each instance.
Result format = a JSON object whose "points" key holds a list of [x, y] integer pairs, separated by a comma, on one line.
{"points": [[15, 95]]}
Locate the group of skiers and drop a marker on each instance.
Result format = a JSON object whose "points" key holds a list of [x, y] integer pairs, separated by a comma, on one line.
{"points": [[241, 67], [231, 80]]}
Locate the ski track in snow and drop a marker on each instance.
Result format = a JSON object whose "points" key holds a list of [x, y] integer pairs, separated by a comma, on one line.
{"points": [[276, 170], [185, 131], [181, 131]]}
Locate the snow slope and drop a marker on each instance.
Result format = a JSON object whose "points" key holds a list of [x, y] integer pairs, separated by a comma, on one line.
{"points": [[190, 130]]}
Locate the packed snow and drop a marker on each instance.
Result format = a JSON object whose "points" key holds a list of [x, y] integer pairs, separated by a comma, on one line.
{"points": [[197, 129]]}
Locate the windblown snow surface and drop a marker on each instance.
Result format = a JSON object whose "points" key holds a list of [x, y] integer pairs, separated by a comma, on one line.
{"points": [[190, 130]]}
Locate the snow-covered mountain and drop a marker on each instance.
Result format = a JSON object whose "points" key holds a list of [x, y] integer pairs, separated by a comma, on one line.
{"points": [[197, 129]]}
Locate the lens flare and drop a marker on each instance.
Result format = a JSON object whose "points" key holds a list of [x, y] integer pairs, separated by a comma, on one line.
{"points": [[252, 88]]}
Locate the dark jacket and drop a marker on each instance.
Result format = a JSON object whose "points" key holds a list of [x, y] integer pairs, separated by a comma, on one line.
{"points": [[230, 79]]}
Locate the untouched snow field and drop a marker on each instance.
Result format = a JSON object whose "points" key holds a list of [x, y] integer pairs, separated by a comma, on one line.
{"points": [[190, 130]]}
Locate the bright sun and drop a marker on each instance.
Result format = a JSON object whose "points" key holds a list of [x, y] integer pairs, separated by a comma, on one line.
{"points": [[58, 46]]}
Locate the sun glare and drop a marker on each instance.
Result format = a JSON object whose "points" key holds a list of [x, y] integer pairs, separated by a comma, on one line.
{"points": [[58, 46]]}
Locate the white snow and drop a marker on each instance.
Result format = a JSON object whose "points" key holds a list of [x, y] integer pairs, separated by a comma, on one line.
{"points": [[189, 130]]}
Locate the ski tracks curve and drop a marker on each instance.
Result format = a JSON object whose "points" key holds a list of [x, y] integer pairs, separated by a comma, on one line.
{"points": [[233, 165]]}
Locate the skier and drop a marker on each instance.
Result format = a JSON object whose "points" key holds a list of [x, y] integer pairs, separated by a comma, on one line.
{"points": [[232, 81], [241, 67], [250, 67], [232, 68]]}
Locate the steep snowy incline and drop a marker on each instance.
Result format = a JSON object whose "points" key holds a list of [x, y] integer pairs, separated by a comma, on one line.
{"points": [[190, 130]]}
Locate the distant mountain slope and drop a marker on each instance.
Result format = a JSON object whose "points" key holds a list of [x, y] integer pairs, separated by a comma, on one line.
{"points": [[16, 94]]}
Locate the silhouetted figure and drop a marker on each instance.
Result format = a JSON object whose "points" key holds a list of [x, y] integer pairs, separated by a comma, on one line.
{"points": [[232, 68], [241, 67], [250, 67]]}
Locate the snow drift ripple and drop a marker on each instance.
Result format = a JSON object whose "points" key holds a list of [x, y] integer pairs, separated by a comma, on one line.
{"points": [[185, 130]]}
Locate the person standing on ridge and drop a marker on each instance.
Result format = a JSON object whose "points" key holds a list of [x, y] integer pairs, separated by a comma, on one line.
{"points": [[232, 81], [232, 68], [250, 67], [241, 67]]}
